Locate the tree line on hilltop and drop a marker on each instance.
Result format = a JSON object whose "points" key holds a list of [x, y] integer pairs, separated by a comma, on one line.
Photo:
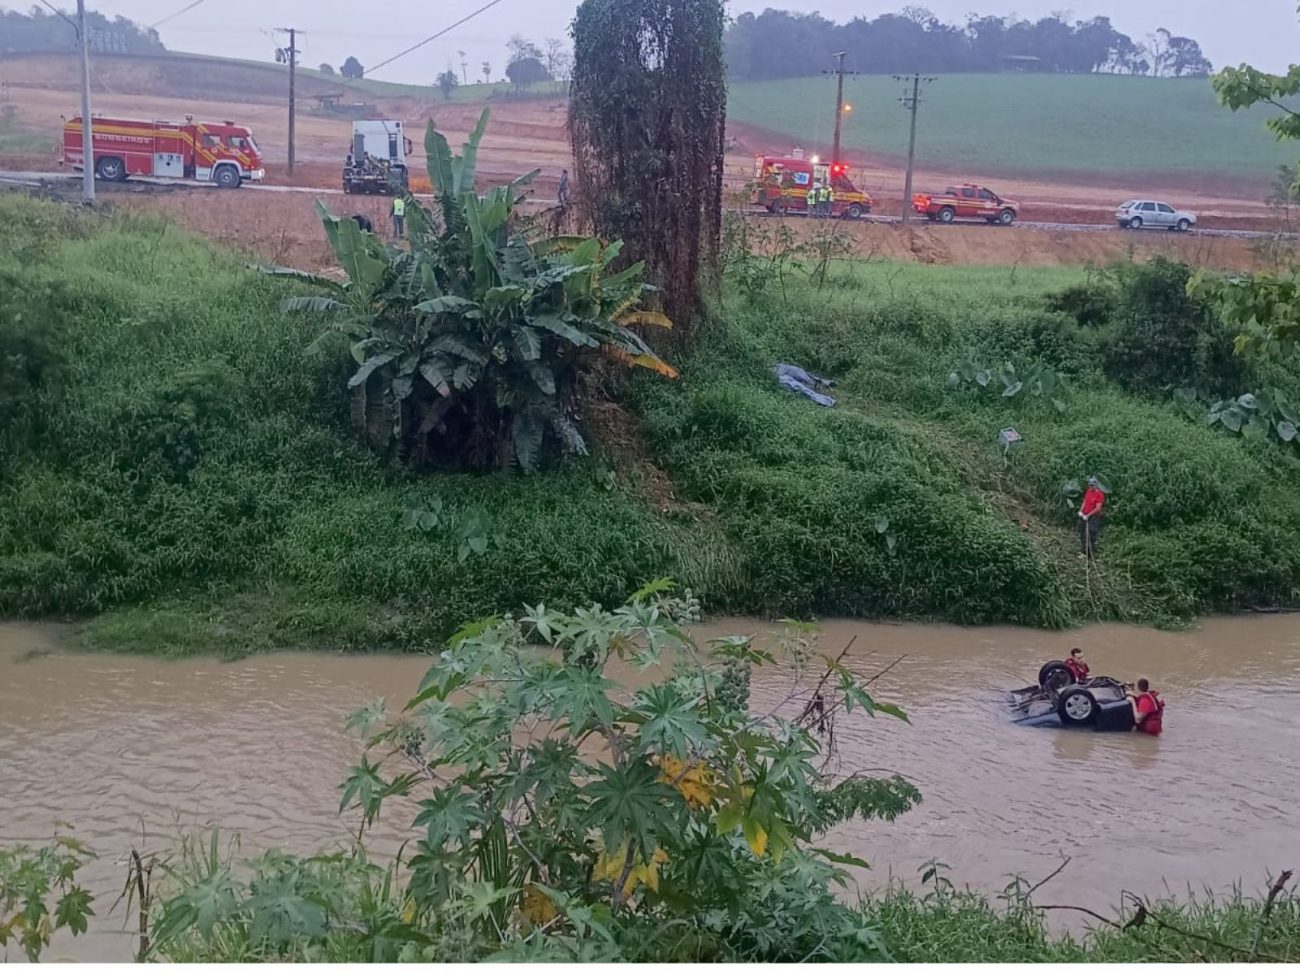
{"points": [[785, 44], [40, 30]]}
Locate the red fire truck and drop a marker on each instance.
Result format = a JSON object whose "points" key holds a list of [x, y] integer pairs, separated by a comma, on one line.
{"points": [[781, 184], [206, 152]]}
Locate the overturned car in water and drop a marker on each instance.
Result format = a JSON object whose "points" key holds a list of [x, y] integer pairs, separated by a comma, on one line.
{"points": [[1058, 700]]}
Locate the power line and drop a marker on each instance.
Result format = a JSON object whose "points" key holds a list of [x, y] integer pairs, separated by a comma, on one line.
{"points": [[64, 16], [433, 37], [183, 10]]}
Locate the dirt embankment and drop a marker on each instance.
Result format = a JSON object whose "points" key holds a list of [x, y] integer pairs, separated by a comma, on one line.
{"points": [[282, 228]]}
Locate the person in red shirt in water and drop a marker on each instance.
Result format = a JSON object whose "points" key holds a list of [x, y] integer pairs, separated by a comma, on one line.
{"points": [[1094, 499], [1148, 709], [1078, 667]]}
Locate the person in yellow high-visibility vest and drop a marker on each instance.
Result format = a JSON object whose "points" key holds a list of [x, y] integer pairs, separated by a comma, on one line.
{"points": [[399, 217]]}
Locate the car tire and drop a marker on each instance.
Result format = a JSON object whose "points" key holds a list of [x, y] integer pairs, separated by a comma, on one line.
{"points": [[110, 169], [1054, 673], [1184, 225], [947, 215], [1135, 223], [227, 177], [854, 212], [1077, 708], [1007, 218]]}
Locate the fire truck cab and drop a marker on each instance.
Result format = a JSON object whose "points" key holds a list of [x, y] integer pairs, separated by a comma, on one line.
{"points": [[781, 184], [207, 152]]}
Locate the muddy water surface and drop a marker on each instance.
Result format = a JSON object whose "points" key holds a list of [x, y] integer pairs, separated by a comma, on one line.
{"points": [[140, 751]]}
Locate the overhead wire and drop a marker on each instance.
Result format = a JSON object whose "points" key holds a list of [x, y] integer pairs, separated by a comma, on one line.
{"points": [[173, 16], [433, 37]]}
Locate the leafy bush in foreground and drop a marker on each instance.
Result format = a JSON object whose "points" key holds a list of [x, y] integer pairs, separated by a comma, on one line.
{"points": [[564, 816]]}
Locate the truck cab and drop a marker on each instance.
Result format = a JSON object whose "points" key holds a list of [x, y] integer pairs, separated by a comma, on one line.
{"points": [[219, 146], [377, 158]]}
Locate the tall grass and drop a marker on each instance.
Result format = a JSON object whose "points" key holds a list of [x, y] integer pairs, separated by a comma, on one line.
{"points": [[1196, 521], [186, 469], [193, 450], [947, 926]]}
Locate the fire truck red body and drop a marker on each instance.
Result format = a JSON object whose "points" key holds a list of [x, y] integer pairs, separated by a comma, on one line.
{"points": [[207, 152]]}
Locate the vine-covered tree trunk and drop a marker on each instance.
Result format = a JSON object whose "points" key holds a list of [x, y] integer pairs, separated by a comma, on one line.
{"points": [[647, 117]]}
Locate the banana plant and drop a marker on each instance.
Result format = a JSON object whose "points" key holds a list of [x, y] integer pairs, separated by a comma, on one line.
{"points": [[470, 342]]}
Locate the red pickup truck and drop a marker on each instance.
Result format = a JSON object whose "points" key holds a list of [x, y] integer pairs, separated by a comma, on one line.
{"points": [[967, 202]]}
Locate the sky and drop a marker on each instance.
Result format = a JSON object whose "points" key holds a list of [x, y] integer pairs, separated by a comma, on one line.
{"points": [[1264, 32]]}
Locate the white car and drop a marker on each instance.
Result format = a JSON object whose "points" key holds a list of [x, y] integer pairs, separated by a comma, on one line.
{"points": [[1136, 214]]}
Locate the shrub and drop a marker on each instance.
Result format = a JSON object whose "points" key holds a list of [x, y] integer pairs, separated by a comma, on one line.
{"points": [[564, 817], [1160, 336], [471, 343], [32, 334]]}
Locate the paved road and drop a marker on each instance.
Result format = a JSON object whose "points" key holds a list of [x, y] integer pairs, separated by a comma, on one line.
{"points": [[147, 184]]}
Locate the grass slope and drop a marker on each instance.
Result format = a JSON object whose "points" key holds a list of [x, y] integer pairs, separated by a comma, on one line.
{"points": [[1087, 125], [190, 477]]}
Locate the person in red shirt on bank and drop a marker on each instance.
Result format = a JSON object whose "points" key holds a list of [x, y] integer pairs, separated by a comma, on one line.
{"points": [[1094, 499], [1078, 667], [1148, 709]]}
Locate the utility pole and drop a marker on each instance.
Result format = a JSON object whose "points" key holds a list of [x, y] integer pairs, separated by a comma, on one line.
{"points": [[293, 53], [911, 102], [464, 69], [87, 126]]}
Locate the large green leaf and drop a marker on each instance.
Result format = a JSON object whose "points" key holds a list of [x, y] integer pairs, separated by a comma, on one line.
{"points": [[275, 270], [463, 166], [670, 724], [542, 376], [459, 347], [281, 914], [362, 257], [450, 816], [498, 299], [629, 803], [316, 303], [484, 252], [369, 366], [526, 431], [435, 373], [527, 343], [556, 324], [448, 305], [438, 158]]}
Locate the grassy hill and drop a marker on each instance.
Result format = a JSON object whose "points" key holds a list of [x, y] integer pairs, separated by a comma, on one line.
{"points": [[1017, 124], [183, 463]]}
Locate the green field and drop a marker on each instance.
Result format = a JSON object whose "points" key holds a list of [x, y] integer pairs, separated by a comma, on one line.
{"points": [[1088, 126]]}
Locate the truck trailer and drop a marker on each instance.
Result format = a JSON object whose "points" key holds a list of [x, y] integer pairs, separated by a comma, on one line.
{"points": [[204, 152]]}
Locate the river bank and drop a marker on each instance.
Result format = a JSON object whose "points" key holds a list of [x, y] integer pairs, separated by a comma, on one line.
{"points": [[179, 472], [138, 751]]}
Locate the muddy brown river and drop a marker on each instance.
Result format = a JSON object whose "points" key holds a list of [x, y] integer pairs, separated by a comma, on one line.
{"points": [[139, 751]]}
